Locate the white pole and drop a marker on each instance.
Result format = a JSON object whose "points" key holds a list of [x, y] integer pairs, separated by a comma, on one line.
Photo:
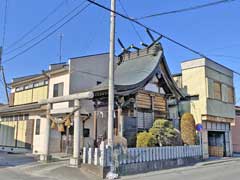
{"points": [[111, 75], [45, 155], [76, 140], [74, 161]]}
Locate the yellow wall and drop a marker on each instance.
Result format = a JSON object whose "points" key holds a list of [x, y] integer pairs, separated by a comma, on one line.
{"points": [[40, 93], [31, 95], [194, 83], [21, 133], [198, 79], [9, 131]]}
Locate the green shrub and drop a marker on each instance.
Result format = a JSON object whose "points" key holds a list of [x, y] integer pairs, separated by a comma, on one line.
{"points": [[145, 139], [164, 133]]}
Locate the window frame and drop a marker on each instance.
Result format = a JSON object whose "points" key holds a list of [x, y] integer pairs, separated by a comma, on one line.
{"points": [[56, 92], [232, 90], [37, 126], [214, 90]]}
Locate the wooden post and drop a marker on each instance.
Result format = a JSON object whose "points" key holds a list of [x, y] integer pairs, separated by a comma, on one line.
{"points": [[120, 121], [95, 125], [152, 102]]}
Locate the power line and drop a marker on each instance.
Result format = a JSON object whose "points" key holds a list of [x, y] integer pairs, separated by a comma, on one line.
{"points": [[37, 25], [154, 31], [46, 30], [133, 26], [186, 9], [236, 58], [49, 34]]}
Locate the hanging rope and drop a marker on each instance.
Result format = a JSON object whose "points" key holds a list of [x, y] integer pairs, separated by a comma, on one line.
{"points": [[58, 120]]}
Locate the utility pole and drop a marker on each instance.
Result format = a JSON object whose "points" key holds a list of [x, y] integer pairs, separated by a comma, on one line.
{"points": [[3, 75], [60, 47], [111, 75]]}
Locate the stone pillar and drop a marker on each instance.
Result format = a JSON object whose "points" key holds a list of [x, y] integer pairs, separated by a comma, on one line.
{"points": [[45, 157], [120, 122], [75, 160]]}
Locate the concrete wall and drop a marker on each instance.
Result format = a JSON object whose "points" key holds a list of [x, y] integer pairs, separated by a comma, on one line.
{"points": [[86, 71], [136, 168], [38, 140], [60, 78]]}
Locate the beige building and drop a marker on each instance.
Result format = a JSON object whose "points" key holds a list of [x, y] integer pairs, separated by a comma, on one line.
{"points": [[17, 120], [211, 90], [24, 122]]}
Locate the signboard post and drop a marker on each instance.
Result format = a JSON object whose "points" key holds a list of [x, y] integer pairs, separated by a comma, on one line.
{"points": [[199, 129]]}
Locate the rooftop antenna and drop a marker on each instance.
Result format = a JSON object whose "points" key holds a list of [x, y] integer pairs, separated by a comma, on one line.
{"points": [[60, 47]]}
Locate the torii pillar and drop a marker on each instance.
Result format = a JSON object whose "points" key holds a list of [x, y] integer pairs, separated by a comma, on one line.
{"points": [[75, 160], [45, 157]]}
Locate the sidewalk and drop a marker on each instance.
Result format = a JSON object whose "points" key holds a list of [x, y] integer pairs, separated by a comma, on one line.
{"points": [[59, 170]]}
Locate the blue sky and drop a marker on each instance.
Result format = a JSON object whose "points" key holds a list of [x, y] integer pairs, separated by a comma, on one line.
{"points": [[214, 31]]}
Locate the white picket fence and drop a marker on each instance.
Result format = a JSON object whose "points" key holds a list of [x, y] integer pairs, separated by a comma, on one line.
{"points": [[102, 156]]}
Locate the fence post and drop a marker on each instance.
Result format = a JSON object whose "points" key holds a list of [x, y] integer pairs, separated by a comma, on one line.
{"points": [[84, 155], [108, 156], [96, 157], [90, 155], [140, 152], [157, 153], [102, 154], [150, 154]]}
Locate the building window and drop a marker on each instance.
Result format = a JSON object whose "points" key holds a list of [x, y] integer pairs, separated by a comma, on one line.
{"points": [[37, 130], [144, 120], [29, 86], [26, 116], [230, 95], [86, 132], [20, 117], [58, 90], [217, 91], [19, 89]]}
